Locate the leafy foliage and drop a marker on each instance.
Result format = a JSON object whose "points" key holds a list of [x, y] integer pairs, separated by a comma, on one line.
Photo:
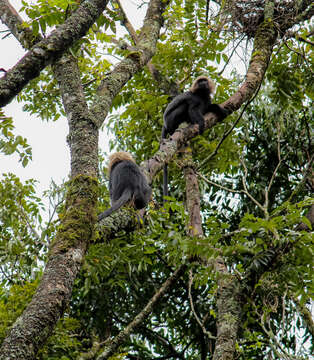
{"points": [[12, 304], [20, 249], [9, 143]]}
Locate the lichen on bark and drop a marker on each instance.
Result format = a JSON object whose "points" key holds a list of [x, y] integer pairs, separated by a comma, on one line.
{"points": [[80, 216]]}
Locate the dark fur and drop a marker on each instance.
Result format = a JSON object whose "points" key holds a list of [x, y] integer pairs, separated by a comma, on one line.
{"points": [[126, 183], [190, 107]]}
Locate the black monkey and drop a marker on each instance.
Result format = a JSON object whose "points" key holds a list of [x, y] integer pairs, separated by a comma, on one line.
{"points": [[126, 183], [190, 107]]}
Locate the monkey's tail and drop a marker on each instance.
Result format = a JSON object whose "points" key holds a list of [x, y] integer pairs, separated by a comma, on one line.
{"points": [[165, 185], [123, 199], [165, 179]]}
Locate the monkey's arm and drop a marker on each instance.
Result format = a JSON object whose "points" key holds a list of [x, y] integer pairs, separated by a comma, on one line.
{"points": [[218, 110], [196, 116], [124, 198]]}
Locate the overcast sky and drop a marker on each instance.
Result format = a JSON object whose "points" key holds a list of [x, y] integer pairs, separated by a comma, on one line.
{"points": [[51, 158]]}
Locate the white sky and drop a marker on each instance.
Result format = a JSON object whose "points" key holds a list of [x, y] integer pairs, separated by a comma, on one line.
{"points": [[51, 157]]}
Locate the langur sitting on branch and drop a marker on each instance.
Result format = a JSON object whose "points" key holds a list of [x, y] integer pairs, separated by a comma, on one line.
{"points": [[190, 107], [126, 184]]}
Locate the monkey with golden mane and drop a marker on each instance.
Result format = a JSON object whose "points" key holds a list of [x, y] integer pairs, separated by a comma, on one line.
{"points": [[126, 183], [190, 107]]}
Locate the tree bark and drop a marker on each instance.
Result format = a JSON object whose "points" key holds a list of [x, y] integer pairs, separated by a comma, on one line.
{"points": [[49, 49], [13, 21], [193, 201], [229, 307]]}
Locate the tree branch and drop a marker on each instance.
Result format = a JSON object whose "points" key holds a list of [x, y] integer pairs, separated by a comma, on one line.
{"points": [[192, 191], [303, 10], [200, 323], [263, 45], [305, 313], [169, 86], [82, 137], [126, 23], [120, 338], [13, 21], [134, 61], [229, 307], [49, 49]]}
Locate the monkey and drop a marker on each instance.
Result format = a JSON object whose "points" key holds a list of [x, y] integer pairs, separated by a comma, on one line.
{"points": [[190, 107], [126, 183]]}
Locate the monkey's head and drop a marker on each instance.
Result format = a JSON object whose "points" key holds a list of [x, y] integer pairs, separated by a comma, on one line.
{"points": [[117, 157], [202, 83]]}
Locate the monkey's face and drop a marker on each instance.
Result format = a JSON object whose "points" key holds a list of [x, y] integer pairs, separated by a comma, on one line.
{"points": [[202, 84]]}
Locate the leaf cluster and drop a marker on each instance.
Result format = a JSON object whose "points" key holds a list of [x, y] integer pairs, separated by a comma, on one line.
{"points": [[10, 144]]}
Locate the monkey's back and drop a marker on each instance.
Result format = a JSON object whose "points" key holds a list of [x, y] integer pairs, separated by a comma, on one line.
{"points": [[177, 110], [127, 176]]}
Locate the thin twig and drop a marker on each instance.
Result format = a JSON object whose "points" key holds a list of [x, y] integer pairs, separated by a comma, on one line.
{"points": [[224, 136], [205, 332], [266, 204], [132, 32], [218, 185], [306, 173], [296, 36], [246, 189], [283, 316], [28, 222], [126, 23], [302, 56], [274, 344], [232, 52]]}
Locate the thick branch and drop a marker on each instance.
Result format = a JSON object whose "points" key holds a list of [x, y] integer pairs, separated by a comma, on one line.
{"points": [[77, 223], [229, 303], [49, 49], [83, 135], [192, 191], [169, 87], [303, 10], [38, 320], [229, 307], [263, 45], [13, 21]]}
